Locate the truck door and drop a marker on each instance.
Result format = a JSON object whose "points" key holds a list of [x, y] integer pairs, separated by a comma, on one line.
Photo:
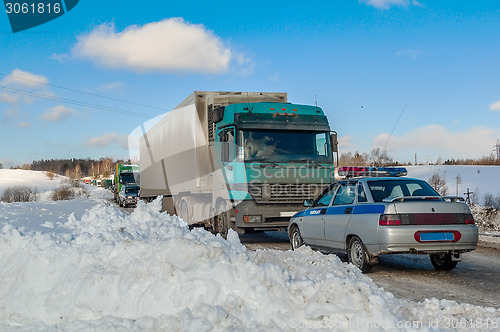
{"points": [[339, 215], [228, 152]]}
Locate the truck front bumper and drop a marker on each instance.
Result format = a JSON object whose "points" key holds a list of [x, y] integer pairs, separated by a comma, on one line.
{"points": [[250, 215]]}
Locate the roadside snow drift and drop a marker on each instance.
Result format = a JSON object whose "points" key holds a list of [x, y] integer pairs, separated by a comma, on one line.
{"points": [[108, 270]]}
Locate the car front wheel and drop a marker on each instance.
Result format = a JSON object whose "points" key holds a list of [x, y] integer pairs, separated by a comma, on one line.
{"points": [[358, 255], [443, 262], [296, 238]]}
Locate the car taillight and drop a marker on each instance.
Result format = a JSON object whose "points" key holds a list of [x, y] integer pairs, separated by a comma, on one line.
{"points": [[469, 219], [389, 220]]}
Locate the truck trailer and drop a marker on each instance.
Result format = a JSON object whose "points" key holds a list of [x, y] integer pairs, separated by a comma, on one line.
{"points": [[237, 160]]}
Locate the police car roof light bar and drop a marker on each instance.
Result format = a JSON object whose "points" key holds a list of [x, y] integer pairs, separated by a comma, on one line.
{"points": [[354, 171]]}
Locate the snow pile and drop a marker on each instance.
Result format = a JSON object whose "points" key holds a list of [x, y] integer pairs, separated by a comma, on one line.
{"points": [[486, 217], [108, 270]]}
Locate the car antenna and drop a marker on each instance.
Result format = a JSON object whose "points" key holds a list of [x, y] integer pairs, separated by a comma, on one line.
{"points": [[392, 131], [316, 102]]}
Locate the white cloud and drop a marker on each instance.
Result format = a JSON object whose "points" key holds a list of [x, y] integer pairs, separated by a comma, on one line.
{"points": [[409, 53], [245, 64], [62, 58], [495, 106], [25, 81], [111, 86], [345, 143], [8, 98], [57, 113], [168, 45], [108, 139], [437, 141], [274, 78], [20, 77], [386, 4]]}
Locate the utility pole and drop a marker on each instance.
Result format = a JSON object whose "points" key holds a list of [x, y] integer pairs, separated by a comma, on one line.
{"points": [[468, 193], [459, 180], [497, 147]]}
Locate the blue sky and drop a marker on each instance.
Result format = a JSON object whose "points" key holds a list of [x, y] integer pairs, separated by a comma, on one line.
{"points": [[79, 85]]}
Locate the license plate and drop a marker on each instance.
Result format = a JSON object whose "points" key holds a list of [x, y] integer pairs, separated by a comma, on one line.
{"points": [[441, 236]]}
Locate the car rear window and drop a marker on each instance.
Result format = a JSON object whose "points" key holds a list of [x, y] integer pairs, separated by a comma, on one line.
{"points": [[389, 189]]}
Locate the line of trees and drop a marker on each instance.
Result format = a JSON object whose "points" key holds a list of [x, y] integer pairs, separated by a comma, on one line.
{"points": [[378, 157], [74, 168]]}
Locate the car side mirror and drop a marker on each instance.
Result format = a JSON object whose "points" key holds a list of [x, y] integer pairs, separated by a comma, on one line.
{"points": [[308, 202]]}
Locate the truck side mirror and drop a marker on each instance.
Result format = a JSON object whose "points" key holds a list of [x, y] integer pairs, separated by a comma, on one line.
{"points": [[223, 138], [334, 143], [218, 114]]}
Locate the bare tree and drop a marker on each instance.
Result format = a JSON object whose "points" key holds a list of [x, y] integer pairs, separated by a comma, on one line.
{"points": [[439, 184]]}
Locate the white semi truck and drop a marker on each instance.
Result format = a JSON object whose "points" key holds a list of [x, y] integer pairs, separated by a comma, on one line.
{"points": [[239, 160]]}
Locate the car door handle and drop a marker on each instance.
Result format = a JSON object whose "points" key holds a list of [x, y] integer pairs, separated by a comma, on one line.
{"points": [[348, 210], [323, 211]]}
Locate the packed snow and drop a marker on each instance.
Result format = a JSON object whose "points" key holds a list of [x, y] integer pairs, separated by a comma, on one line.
{"points": [[85, 264]]}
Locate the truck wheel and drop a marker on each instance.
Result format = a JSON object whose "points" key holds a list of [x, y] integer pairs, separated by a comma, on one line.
{"points": [[222, 219], [443, 262], [296, 239], [358, 255]]}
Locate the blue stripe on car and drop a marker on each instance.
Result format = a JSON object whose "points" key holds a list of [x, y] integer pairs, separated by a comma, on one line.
{"points": [[369, 208], [357, 209]]}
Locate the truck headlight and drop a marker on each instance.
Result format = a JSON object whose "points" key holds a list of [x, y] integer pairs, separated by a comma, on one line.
{"points": [[252, 219]]}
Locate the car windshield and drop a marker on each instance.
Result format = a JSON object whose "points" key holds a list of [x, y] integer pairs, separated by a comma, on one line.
{"points": [[132, 190], [389, 189], [286, 146]]}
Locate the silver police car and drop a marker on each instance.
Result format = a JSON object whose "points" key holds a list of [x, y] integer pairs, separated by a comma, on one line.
{"points": [[372, 216]]}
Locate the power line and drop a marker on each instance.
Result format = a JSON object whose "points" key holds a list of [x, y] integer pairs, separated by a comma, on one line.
{"points": [[73, 102], [83, 92]]}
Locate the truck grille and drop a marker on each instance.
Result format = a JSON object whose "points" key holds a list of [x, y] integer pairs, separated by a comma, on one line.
{"points": [[290, 193]]}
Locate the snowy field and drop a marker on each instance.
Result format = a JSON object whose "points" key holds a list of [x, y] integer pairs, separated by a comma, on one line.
{"points": [[478, 179], [85, 264]]}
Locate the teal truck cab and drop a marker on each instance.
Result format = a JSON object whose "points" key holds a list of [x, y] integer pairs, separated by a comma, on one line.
{"points": [[240, 160]]}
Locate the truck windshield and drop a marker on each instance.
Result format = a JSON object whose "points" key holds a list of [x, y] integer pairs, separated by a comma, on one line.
{"points": [[126, 178], [286, 146]]}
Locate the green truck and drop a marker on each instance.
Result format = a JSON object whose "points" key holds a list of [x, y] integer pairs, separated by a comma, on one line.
{"points": [[237, 160], [125, 174]]}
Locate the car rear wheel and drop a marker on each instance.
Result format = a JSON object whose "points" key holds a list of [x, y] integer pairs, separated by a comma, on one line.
{"points": [[296, 239], [358, 255], [443, 262]]}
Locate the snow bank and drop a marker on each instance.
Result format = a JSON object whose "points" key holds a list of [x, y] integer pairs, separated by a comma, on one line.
{"points": [[108, 270], [486, 218]]}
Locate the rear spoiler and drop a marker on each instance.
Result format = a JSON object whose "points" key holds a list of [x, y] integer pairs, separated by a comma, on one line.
{"points": [[423, 198]]}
